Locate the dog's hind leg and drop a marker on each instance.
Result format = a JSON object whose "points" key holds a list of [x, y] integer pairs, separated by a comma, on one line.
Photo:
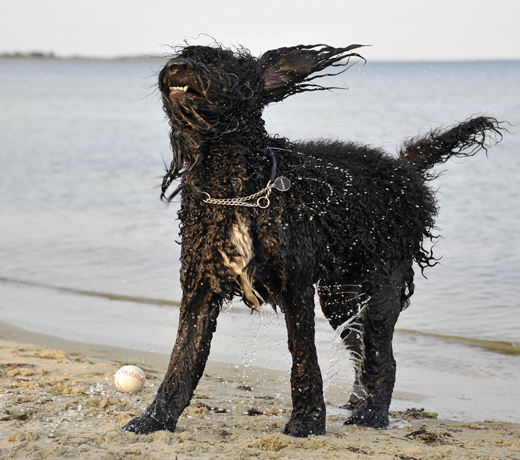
{"points": [[343, 303], [197, 323], [377, 367], [308, 415]]}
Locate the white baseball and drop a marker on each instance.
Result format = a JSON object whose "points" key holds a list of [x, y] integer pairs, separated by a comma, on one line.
{"points": [[129, 379]]}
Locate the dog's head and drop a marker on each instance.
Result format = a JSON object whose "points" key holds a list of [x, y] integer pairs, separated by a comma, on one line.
{"points": [[209, 91]]}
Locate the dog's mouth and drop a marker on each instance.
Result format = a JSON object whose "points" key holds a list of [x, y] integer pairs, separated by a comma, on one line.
{"points": [[186, 90]]}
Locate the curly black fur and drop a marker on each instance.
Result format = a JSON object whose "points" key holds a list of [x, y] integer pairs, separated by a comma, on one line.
{"points": [[464, 139], [352, 223]]}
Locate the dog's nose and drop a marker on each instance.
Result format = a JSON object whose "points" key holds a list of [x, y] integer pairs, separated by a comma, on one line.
{"points": [[180, 65]]}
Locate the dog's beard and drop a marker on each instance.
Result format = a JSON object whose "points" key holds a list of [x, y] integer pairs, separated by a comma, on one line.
{"points": [[187, 113], [199, 116]]}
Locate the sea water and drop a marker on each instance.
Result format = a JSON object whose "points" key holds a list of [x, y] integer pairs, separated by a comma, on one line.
{"points": [[88, 251]]}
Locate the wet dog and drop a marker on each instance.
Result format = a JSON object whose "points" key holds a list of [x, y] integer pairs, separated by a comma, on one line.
{"points": [[267, 220]]}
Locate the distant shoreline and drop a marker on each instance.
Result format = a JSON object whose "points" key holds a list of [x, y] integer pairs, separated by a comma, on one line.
{"points": [[37, 56], [40, 56]]}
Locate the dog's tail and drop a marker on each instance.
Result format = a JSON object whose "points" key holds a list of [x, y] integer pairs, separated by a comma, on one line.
{"points": [[462, 140]]}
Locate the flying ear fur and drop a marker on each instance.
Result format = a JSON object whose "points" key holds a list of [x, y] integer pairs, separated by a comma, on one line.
{"points": [[286, 70]]}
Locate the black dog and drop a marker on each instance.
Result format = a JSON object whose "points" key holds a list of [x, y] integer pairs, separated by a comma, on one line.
{"points": [[267, 219]]}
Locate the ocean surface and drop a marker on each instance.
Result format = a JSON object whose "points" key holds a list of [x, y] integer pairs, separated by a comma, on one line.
{"points": [[89, 253]]}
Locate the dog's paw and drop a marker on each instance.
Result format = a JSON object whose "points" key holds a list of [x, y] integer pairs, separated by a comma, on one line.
{"points": [[365, 415], [304, 428], [146, 425]]}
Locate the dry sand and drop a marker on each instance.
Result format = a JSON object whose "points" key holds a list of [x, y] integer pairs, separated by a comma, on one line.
{"points": [[58, 400]]}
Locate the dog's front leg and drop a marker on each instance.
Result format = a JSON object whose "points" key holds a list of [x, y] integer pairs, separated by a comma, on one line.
{"points": [[308, 415], [197, 323]]}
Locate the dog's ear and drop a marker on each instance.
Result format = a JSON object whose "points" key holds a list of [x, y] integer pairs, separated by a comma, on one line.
{"points": [[286, 71]]}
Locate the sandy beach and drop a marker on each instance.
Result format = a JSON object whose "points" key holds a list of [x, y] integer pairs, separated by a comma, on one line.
{"points": [[58, 400]]}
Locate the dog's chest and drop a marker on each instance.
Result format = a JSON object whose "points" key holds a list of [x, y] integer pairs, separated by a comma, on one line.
{"points": [[238, 260]]}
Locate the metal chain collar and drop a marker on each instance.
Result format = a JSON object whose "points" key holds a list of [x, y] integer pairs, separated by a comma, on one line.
{"points": [[261, 197]]}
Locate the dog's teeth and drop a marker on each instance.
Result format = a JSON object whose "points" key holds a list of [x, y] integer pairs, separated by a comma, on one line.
{"points": [[179, 88]]}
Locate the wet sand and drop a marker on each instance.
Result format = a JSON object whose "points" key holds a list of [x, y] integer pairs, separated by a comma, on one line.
{"points": [[58, 400]]}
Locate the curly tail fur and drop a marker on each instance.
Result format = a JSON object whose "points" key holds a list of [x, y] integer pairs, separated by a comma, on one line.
{"points": [[462, 140]]}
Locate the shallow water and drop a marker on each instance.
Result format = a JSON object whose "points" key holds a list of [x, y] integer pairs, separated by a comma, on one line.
{"points": [[81, 163]]}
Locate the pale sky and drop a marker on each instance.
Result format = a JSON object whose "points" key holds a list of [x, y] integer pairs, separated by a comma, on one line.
{"points": [[411, 30]]}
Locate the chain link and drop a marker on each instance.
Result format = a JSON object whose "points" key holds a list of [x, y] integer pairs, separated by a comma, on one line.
{"points": [[261, 197]]}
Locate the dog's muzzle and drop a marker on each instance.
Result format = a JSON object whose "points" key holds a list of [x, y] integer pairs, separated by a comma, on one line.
{"points": [[178, 80]]}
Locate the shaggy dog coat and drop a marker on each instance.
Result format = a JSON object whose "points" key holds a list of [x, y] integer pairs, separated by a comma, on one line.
{"points": [[268, 220]]}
